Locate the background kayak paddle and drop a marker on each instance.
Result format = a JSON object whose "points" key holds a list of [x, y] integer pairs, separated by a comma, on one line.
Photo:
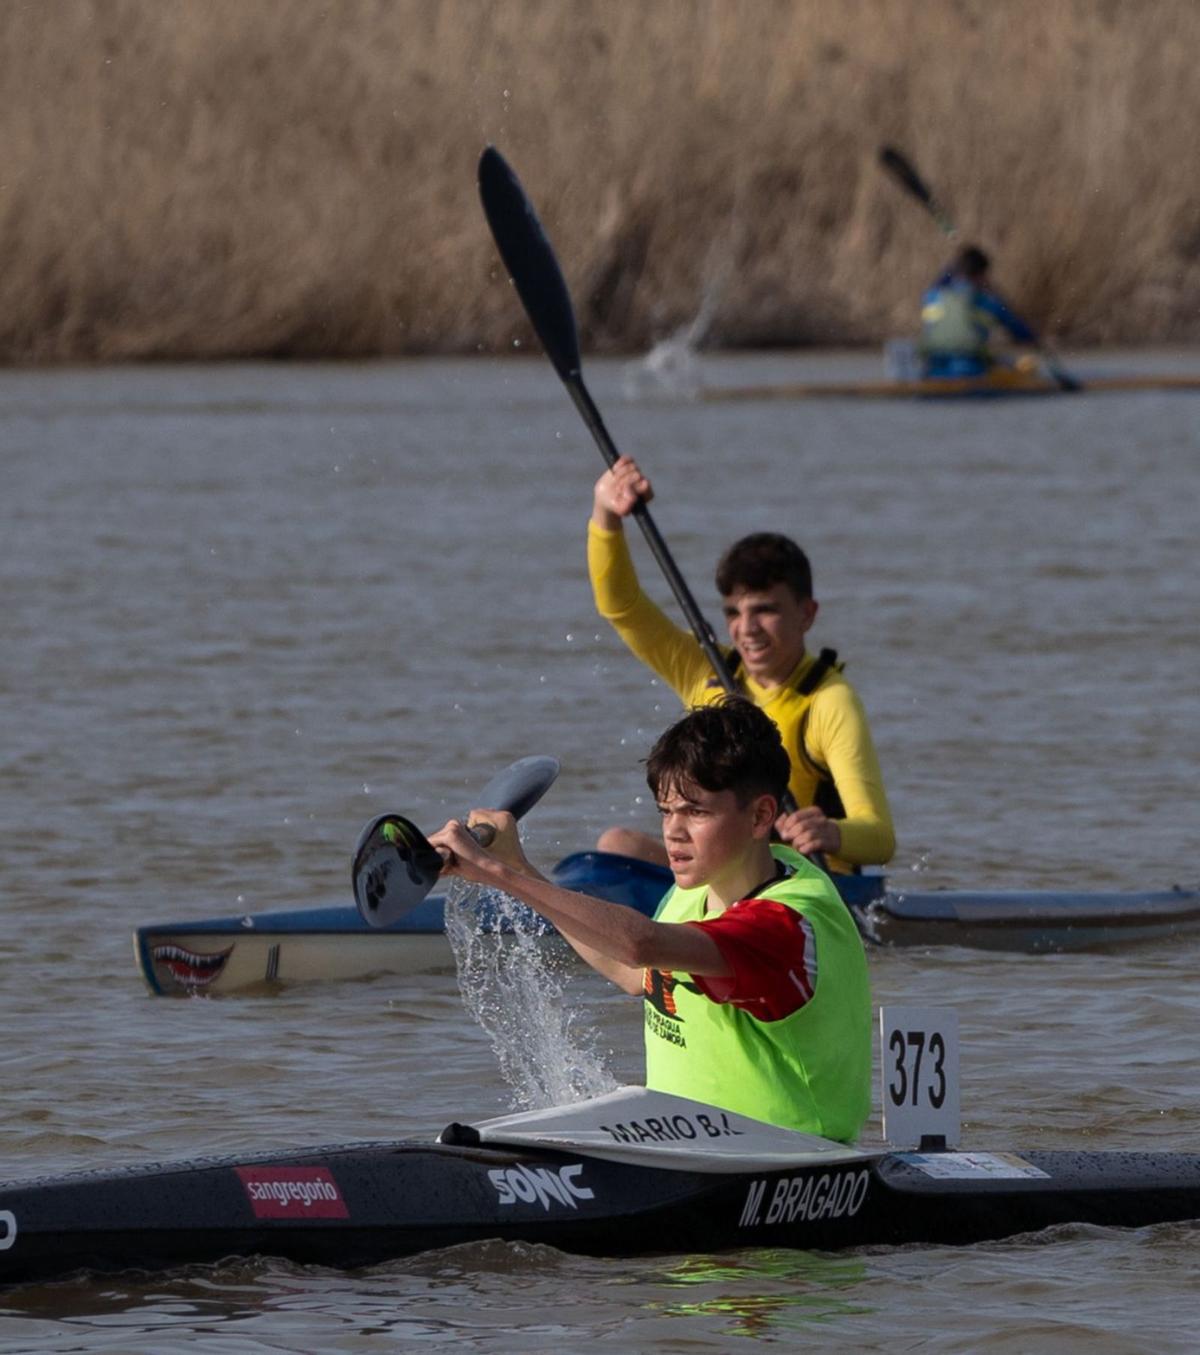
{"points": [[530, 259], [904, 172], [395, 866]]}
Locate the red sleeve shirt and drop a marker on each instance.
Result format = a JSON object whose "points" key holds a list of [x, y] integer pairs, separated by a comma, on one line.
{"points": [[773, 954]]}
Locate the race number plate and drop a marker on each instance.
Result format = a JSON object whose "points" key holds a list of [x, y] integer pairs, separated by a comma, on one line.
{"points": [[919, 1071]]}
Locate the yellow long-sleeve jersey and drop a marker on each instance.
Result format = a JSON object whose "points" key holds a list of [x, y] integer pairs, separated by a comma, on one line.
{"points": [[825, 730]]}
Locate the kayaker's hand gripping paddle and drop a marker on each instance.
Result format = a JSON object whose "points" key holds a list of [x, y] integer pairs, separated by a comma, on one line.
{"points": [[395, 865]]}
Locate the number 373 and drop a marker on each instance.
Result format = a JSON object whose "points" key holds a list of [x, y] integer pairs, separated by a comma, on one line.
{"points": [[916, 1052]]}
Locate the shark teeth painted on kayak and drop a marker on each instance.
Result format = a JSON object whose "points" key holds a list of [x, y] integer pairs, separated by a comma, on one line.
{"points": [[188, 967]]}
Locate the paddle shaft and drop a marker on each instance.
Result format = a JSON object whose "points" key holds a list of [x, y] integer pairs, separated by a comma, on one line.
{"points": [[658, 547], [529, 256], [906, 175], [641, 514]]}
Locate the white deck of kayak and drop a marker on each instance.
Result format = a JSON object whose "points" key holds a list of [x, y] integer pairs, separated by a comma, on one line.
{"points": [[639, 1127]]}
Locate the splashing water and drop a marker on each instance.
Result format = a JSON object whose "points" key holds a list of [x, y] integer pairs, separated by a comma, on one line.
{"points": [[671, 367], [513, 976]]}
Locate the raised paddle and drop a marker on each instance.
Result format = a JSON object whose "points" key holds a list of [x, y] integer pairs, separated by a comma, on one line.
{"points": [[530, 259], [904, 172], [395, 865]]}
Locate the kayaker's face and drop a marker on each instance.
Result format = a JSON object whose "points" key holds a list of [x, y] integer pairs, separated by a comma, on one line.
{"points": [[767, 627], [707, 834]]}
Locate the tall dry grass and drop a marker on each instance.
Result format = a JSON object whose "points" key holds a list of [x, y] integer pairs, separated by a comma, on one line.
{"points": [[204, 178]]}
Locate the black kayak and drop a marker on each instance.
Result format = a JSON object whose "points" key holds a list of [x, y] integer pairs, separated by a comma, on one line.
{"points": [[630, 1173]]}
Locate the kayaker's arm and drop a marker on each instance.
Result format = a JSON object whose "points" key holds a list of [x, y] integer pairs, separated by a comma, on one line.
{"points": [[839, 738], [995, 305], [507, 847], [617, 941], [669, 650]]}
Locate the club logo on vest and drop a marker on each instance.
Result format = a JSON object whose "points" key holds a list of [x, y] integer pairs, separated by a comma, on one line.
{"points": [[662, 1016], [658, 988]]}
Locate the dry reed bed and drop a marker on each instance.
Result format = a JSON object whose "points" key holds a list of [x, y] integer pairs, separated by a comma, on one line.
{"points": [[205, 178]]}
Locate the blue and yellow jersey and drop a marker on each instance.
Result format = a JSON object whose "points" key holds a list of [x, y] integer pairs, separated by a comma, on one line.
{"points": [[957, 320]]}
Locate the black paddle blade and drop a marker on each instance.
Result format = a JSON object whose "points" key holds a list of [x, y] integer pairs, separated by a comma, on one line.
{"points": [[902, 170], [395, 867], [1065, 380], [530, 260], [899, 167]]}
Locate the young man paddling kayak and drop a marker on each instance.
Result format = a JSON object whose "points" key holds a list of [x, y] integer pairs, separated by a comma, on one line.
{"points": [[752, 971], [765, 584], [958, 314]]}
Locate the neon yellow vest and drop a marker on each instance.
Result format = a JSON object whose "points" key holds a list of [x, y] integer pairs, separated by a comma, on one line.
{"points": [[950, 323], [810, 1071]]}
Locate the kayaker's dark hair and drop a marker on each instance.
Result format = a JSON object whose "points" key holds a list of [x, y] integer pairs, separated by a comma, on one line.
{"points": [[762, 560], [972, 262], [730, 746]]}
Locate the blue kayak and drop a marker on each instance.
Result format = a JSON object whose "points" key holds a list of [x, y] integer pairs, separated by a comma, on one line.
{"points": [[260, 950]]}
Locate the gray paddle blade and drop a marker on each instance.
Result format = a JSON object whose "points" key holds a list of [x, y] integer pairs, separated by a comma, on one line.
{"points": [[519, 786]]}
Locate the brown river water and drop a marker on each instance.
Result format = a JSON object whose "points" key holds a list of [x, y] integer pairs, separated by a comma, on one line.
{"points": [[248, 607]]}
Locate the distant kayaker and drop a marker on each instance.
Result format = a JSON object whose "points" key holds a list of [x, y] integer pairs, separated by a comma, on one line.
{"points": [[765, 583], [958, 314], [752, 972]]}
